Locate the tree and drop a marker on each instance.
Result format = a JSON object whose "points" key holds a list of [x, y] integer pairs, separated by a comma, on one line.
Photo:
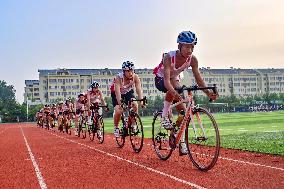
{"points": [[10, 109], [7, 92]]}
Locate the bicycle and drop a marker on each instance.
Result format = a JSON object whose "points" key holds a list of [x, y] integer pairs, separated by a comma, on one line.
{"points": [[131, 126], [64, 123], [46, 123], [202, 139], [82, 125], [97, 127]]}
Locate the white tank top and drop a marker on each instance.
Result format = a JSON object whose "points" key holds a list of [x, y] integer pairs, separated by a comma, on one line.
{"points": [[94, 97], [124, 88], [176, 73]]}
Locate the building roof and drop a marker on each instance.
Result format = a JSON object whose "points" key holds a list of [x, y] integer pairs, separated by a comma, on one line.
{"points": [[31, 82], [231, 71], [86, 71], [271, 70], [237, 71]]}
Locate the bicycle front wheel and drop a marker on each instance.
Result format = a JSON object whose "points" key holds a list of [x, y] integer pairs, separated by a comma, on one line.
{"points": [[203, 139], [136, 133], [101, 130], [161, 138]]}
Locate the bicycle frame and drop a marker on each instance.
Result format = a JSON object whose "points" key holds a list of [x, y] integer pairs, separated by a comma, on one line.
{"points": [[127, 108], [188, 115]]}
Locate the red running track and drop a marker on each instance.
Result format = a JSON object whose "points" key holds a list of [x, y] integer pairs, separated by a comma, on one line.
{"points": [[34, 157]]}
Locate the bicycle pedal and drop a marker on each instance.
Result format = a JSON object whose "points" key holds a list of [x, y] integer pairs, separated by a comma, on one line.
{"points": [[201, 138]]}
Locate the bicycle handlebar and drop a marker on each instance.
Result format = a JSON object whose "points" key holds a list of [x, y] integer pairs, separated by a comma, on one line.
{"points": [[96, 106], [196, 88], [144, 100]]}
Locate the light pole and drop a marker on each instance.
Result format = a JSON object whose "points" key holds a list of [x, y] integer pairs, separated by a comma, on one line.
{"points": [[27, 109]]}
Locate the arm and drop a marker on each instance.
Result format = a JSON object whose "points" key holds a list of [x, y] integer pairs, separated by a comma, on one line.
{"points": [[138, 86], [199, 79], [102, 99], [197, 75], [88, 100], [167, 75], [117, 85]]}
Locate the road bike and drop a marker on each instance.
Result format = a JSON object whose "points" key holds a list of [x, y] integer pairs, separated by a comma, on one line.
{"points": [[97, 128], [131, 126], [200, 130]]}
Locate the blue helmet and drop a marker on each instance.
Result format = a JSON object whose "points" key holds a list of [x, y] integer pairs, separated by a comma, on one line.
{"points": [[127, 65], [187, 37]]}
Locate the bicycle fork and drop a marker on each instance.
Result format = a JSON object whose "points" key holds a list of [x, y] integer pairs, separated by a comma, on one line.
{"points": [[200, 124]]}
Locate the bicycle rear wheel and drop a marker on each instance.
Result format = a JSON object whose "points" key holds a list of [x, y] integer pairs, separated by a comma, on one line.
{"points": [[83, 129], [136, 133], [204, 144], [91, 131], [161, 138], [100, 130], [120, 141]]}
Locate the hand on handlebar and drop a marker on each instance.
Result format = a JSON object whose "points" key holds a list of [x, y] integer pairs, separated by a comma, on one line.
{"points": [[106, 109], [142, 104], [212, 96]]}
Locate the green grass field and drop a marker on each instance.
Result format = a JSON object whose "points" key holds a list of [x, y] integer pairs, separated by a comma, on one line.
{"points": [[253, 131]]}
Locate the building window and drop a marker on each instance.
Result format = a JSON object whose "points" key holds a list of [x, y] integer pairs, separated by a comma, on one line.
{"points": [[52, 80]]}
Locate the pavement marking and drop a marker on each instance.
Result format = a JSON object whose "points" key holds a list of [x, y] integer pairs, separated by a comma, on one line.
{"points": [[38, 173], [250, 163], [135, 163]]}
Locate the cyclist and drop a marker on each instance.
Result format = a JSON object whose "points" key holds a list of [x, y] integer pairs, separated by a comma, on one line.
{"points": [[122, 88], [53, 115], [80, 106], [94, 96], [60, 110], [39, 117], [46, 116], [170, 71], [68, 112]]}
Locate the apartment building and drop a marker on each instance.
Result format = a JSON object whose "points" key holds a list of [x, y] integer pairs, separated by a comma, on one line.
{"points": [[32, 92], [241, 82], [59, 84]]}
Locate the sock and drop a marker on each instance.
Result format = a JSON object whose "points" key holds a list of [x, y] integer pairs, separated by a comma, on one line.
{"points": [[182, 140], [90, 120], [166, 108]]}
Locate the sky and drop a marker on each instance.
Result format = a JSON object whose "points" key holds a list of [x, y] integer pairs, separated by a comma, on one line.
{"points": [[91, 34]]}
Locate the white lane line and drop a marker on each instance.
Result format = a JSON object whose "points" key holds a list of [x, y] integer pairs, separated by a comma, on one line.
{"points": [[134, 163], [38, 173], [250, 163]]}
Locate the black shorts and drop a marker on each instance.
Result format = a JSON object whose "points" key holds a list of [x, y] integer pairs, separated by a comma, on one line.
{"points": [[66, 112], [52, 114], [79, 111], [159, 83], [126, 97]]}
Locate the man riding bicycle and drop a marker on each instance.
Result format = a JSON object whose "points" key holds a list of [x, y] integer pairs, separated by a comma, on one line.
{"points": [[122, 88], [94, 96], [170, 71], [80, 106]]}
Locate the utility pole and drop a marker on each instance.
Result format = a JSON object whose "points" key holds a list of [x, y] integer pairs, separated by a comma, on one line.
{"points": [[27, 110]]}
